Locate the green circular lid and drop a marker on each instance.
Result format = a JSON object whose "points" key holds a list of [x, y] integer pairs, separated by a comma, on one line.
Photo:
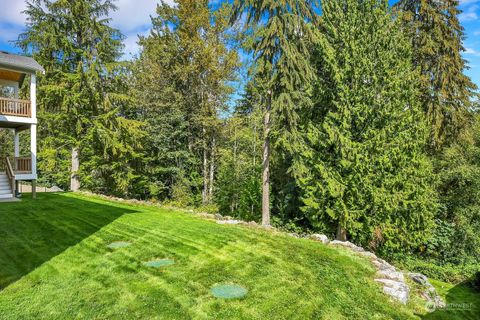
{"points": [[118, 244], [229, 291], [158, 263]]}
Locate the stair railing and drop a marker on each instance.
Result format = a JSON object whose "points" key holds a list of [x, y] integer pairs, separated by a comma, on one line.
{"points": [[10, 175]]}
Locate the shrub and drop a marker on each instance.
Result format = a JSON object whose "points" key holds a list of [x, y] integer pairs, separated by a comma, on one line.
{"points": [[448, 272], [476, 281]]}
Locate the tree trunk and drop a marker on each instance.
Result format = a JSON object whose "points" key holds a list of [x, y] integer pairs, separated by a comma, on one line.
{"points": [[74, 180], [205, 169], [341, 232], [212, 169], [266, 164], [254, 145]]}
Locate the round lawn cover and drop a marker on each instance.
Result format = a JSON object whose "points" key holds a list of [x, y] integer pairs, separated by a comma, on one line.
{"points": [[159, 263], [118, 244], [228, 291]]}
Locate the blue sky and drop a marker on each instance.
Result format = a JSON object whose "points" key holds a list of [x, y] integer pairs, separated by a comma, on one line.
{"points": [[133, 18]]}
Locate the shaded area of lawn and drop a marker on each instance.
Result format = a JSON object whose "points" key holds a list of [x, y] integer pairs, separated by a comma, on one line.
{"points": [[462, 302], [33, 232]]}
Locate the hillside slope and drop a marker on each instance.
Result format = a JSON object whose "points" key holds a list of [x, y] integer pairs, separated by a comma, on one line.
{"points": [[56, 264]]}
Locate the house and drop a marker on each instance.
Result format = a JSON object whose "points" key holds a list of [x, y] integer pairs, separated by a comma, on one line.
{"points": [[19, 164]]}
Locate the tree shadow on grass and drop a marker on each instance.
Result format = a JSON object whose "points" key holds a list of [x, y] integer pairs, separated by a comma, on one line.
{"points": [[34, 231], [462, 303]]}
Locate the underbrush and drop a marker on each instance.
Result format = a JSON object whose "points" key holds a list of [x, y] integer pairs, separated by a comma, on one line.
{"points": [[447, 272]]}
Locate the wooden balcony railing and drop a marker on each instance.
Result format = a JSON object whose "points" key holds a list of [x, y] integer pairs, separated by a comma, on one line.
{"points": [[23, 165], [15, 107]]}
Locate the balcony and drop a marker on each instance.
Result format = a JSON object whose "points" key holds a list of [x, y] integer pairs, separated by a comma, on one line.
{"points": [[15, 107], [20, 165]]}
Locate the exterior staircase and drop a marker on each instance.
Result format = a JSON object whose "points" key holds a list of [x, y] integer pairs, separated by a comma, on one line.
{"points": [[5, 188]]}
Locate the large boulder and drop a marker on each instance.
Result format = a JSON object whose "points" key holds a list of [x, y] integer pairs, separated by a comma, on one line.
{"points": [[396, 289]]}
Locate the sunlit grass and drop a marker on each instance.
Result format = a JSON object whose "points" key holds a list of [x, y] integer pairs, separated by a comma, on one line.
{"points": [[56, 264]]}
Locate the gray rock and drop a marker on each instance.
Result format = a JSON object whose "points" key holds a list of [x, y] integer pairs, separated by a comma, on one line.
{"points": [[250, 224], [219, 216], [347, 244], [368, 254], [207, 215], [395, 289], [229, 221], [429, 294], [385, 264], [419, 278], [391, 275], [320, 238], [401, 295]]}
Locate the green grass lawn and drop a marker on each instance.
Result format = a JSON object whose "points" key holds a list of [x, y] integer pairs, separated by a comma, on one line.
{"points": [[55, 264]]}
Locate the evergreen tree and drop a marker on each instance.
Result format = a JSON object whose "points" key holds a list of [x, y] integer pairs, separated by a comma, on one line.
{"points": [[457, 234], [182, 87], [446, 92], [282, 33], [365, 174], [79, 50]]}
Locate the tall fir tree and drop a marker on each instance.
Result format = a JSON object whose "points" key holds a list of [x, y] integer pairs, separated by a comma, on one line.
{"points": [[365, 174], [182, 87], [446, 92], [79, 50], [282, 33]]}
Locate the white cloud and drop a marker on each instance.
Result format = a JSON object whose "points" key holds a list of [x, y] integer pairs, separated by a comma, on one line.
{"points": [[11, 12], [472, 51], [470, 14], [464, 2], [132, 18], [134, 14]]}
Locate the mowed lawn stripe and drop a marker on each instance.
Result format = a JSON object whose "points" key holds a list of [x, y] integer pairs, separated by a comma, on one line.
{"points": [[61, 267]]}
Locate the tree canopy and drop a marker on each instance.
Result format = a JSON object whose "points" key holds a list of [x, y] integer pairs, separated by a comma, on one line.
{"points": [[350, 118]]}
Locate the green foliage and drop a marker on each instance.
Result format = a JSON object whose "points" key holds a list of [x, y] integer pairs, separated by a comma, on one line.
{"points": [[436, 269], [114, 156], [355, 96], [82, 96], [459, 189], [446, 91], [239, 184], [282, 36], [181, 87], [475, 281], [363, 166]]}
